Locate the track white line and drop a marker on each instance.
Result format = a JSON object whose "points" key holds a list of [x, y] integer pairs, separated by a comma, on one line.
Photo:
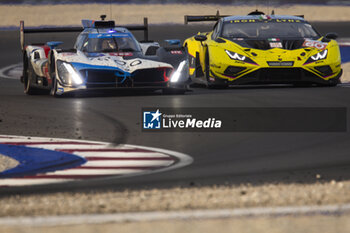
{"points": [[7, 68], [122, 154], [173, 215]]}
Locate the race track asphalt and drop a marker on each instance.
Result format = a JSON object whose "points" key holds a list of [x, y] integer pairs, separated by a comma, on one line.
{"points": [[219, 158]]}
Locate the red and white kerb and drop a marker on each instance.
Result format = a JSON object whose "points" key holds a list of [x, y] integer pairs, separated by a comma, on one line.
{"points": [[103, 160]]}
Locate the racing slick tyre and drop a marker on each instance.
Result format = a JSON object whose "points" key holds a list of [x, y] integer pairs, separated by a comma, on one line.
{"points": [[54, 88], [333, 82], [52, 73], [53, 91], [212, 84], [28, 76]]}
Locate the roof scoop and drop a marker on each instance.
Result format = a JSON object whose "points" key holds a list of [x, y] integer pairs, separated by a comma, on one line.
{"points": [[256, 12], [98, 24]]}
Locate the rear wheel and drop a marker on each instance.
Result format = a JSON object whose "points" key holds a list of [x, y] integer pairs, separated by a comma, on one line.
{"points": [[211, 82], [28, 76]]}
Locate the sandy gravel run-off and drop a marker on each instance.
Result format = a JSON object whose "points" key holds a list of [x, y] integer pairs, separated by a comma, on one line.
{"points": [[346, 73], [157, 13], [285, 224], [206, 197], [7, 163]]}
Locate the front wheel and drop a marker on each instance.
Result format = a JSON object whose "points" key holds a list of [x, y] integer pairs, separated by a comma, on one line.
{"points": [[53, 90], [212, 83], [28, 77], [334, 82], [52, 72], [331, 83]]}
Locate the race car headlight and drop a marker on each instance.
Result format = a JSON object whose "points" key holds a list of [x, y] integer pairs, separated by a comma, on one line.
{"points": [[235, 56], [181, 70], [238, 57], [67, 74], [319, 56]]}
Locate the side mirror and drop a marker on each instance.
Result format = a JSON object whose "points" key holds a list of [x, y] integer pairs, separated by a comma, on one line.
{"points": [[331, 35], [200, 38]]}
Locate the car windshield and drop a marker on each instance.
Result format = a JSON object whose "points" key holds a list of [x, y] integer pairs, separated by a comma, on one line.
{"points": [[110, 43], [268, 30]]}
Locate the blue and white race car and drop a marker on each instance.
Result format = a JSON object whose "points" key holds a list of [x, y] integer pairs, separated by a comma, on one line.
{"points": [[104, 57]]}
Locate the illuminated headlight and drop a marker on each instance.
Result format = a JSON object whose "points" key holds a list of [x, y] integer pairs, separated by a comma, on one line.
{"points": [[68, 75], [319, 56], [239, 57], [180, 71], [235, 56]]}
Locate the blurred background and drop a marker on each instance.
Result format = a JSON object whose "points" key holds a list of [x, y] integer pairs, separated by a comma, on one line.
{"points": [[52, 12], [276, 2]]}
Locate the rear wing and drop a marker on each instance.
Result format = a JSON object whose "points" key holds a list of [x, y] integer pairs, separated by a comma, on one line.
{"points": [[24, 31], [202, 18]]}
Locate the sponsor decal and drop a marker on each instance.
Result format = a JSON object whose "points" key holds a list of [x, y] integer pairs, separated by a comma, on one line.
{"points": [[244, 21], [45, 70], [266, 18], [176, 52], [67, 54], [122, 54], [283, 63], [315, 44], [288, 20], [276, 45], [60, 90], [273, 39]]}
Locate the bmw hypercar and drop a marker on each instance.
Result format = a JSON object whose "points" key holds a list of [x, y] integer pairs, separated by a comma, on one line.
{"points": [[104, 57], [262, 49]]}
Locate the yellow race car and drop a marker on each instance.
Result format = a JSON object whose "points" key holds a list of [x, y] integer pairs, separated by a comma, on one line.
{"points": [[262, 49]]}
